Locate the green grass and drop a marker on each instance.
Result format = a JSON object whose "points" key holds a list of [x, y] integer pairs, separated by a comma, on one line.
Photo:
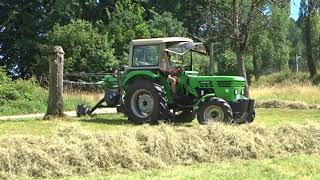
{"points": [[292, 167], [117, 122], [101, 123], [273, 117], [38, 103]]}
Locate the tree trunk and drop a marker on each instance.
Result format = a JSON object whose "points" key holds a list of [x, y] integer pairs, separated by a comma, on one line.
{"points": [[255, 64], [242, 71], [55, 100], [311, 64], [239, 45]]}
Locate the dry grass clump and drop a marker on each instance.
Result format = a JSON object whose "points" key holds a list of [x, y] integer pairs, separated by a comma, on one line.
{"points": [[285, 104], [74, 152], [88, 96]]}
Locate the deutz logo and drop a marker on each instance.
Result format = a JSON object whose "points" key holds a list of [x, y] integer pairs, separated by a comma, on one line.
{"points": [[205, 82]]}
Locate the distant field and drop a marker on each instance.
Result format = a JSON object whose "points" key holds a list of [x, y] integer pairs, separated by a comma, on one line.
{"points": [[302, 93]]}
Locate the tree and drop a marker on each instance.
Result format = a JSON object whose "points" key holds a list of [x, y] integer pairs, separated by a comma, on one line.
{"points": [[22, 31], [279, 36], [307, 12], [165, 25], [127, 23], [295, 36], [87, 50]]}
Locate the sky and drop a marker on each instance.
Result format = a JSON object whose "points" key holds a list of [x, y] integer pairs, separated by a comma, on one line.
{"points": [[295, 4]]}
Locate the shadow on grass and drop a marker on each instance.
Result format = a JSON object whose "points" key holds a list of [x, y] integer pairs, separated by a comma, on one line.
{"points": [[119, 119], [112, 119]]}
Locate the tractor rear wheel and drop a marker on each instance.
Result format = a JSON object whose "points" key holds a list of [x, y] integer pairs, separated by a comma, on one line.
{"points": [[145, 102], [214, 110]]}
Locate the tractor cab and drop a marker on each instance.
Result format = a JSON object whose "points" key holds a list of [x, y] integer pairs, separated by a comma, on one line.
{"points": [[167, 54]]}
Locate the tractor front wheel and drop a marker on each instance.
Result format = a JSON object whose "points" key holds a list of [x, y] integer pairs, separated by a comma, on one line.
{"points": [[214, 110]]}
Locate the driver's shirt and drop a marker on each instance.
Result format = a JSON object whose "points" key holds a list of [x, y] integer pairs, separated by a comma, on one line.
{"points": [[164, 64]]}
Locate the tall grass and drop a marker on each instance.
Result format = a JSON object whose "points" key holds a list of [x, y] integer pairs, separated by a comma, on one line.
{"points": [[307, 93], [72, 98]]}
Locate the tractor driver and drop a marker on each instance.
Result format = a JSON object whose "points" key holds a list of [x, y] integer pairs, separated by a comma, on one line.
{"points": [[172, 73]]}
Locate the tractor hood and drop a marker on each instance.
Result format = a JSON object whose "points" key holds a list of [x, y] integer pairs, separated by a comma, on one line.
{"points": [[217, 81], [229, 88], [216, 78]]}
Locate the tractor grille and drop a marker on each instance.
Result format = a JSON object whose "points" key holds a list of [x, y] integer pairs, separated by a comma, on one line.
{"points": [[206, 84], [240, 84], [224, 83]]}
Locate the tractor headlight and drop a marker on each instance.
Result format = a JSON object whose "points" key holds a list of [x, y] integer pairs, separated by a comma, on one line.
{"points": [[242, 92], [236, 91]]}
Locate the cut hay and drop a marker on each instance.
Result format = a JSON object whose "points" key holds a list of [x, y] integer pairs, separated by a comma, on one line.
{"points": [[72, 151], [285, 104]]}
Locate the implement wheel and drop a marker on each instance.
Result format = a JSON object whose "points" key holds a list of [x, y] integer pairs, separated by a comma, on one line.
{"points": [[214, 110], [145, 102]]}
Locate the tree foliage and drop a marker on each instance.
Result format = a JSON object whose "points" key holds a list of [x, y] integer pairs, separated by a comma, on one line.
{"points": [[96, 34], [86, 49]]}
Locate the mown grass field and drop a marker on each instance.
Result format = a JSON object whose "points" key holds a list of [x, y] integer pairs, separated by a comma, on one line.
{"points": [[292, 166]]}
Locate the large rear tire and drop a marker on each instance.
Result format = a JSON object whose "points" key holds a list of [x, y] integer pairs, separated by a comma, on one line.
{"points": [[145, 102], [214, 110]]}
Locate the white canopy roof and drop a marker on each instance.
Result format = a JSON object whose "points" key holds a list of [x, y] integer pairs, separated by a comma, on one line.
{"points": [[160, 40]]}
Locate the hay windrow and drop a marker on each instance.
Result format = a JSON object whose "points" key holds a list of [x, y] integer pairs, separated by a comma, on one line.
{"points": [[285, 104], [72, 151]]}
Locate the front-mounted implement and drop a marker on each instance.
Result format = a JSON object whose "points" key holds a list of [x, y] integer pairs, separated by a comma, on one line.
{"points": [[162, 82]]}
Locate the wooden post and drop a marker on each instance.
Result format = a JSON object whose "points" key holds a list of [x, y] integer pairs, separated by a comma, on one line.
{"points": [[55, 100]]}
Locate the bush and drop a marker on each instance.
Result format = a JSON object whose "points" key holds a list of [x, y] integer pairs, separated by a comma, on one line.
{"points": [[21, 96], [316, 79], [285, 77], [87, 50]]}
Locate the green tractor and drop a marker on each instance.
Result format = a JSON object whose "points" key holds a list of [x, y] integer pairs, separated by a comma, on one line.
{"points": [[162, 82]]}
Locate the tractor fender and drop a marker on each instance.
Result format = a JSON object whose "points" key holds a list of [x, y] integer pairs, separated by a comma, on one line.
{"points": [[201, 100], [139, 74]]}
